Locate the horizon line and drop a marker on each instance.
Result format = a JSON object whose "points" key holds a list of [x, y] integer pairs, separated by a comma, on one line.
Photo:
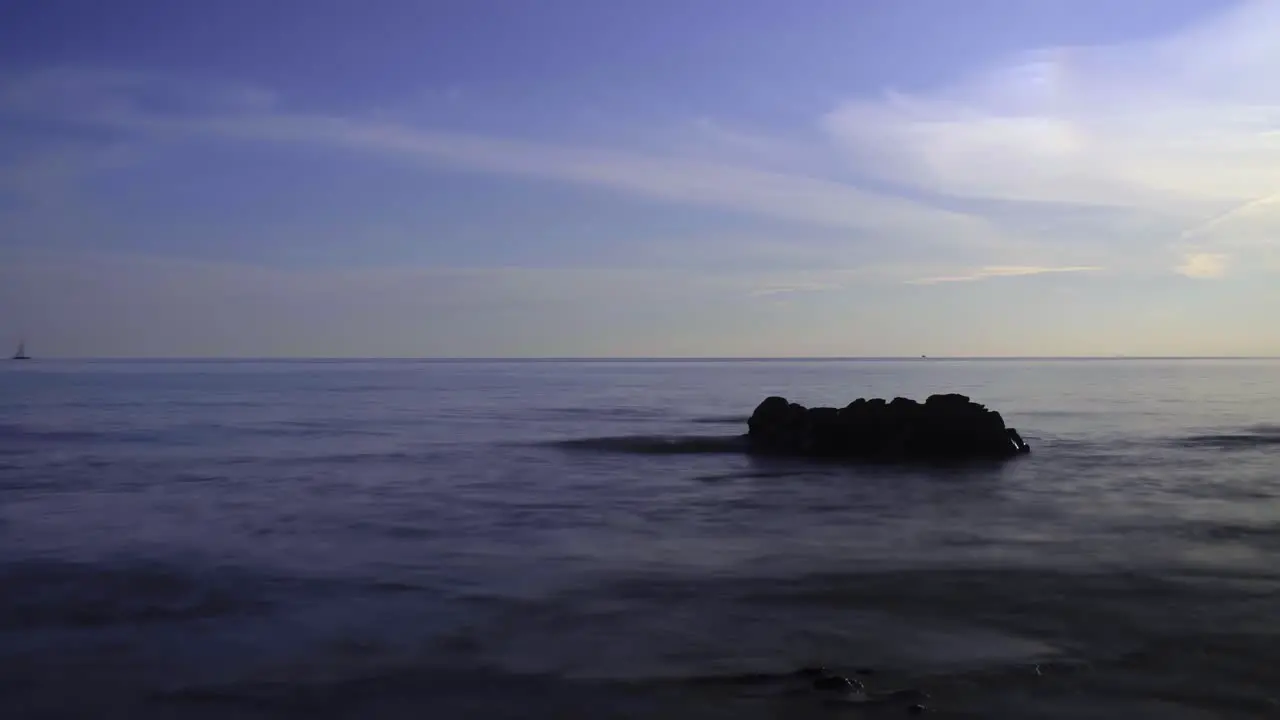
{"points": [[635, 358]]}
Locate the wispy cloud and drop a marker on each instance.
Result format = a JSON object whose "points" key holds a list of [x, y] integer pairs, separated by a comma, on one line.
{"points": [[789, 288], [988, 273], [125, 103], [1059, 160], [1182, 128], [744, 189]]}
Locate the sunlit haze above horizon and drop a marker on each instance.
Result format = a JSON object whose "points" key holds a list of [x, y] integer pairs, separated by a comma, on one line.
{"points": [[477, 178]]}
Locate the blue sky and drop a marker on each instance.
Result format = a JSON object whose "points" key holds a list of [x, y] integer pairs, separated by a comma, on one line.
{"points": [[658, 178]]}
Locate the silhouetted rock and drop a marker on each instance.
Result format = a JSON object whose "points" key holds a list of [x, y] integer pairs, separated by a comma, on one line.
{"points": [[837, 683], [944, 427]]}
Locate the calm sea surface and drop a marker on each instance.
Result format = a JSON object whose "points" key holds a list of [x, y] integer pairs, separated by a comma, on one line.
{"points": [[576, 539]]}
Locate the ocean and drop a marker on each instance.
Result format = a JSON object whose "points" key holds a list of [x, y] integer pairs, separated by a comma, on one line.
{"points": [[581, 539]]}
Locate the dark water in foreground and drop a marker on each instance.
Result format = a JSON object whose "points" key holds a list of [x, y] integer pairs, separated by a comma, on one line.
{"points": [[517, 540]]}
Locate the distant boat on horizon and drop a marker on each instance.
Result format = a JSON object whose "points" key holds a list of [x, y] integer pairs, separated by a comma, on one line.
{"points": [[21, 354]]}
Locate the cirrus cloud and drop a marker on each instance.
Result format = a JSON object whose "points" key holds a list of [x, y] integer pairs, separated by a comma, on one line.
{"points": [[1183, 130]]}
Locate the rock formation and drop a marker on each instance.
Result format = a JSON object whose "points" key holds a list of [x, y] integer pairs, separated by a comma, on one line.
{"points": [[944, 427]]}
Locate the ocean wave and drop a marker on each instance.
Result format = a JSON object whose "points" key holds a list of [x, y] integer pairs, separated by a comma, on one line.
{"points": [[1264, 536], [12, 432], [616, 413], [390, 690], [1256, 436], [315, 428], [658, 444], [753, 475], [70, 594], [20, 439], [721, 420], [339, 458]]}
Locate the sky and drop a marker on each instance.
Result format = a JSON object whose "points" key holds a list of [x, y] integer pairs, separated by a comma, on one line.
{"points": [[655, 178]]}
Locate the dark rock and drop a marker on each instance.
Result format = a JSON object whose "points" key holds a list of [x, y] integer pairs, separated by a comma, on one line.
{"points": [[771, 412], [837, 683], [944, 427], [917, 710]]}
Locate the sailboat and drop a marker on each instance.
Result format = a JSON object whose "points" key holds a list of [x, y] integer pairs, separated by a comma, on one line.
{"points": [[22, 352]]}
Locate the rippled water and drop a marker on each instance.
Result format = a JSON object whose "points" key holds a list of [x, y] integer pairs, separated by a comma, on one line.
{"points": [[584, 539]]}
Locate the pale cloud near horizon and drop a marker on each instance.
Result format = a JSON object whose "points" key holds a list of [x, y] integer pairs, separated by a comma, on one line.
{"points": [[1204, 265], [999, 271], [140, 306], [135, 305]]}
